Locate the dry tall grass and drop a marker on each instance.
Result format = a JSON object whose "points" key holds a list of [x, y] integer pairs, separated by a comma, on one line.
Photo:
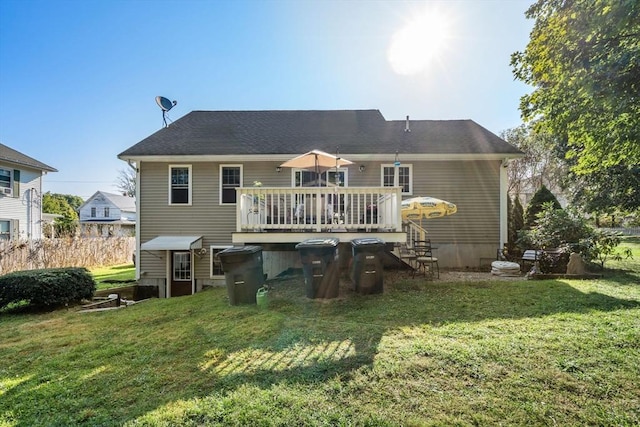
{"points": [[65, 252]]}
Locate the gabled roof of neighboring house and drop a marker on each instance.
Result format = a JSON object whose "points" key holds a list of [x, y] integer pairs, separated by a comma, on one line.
{"points": [[287, 132], [10, 155], [124, 203]]}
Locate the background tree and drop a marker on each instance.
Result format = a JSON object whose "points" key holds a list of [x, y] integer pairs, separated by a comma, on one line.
{"points": [[66, 205], [583, 58], [126, 181], [518, 214], [543, 197], [541, 164], [613, 191]]}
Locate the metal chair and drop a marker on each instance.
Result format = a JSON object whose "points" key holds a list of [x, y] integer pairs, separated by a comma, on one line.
{"points": [[425, 261]]}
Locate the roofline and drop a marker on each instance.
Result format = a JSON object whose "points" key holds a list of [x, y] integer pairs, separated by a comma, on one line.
{"points": [[194, 158], [43, 167]]}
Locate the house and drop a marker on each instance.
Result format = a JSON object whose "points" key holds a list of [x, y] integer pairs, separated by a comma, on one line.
{"points": [[20, 195], [196, 192], [106, 214]]}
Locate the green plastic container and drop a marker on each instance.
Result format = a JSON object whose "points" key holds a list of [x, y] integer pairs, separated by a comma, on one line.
{"points": [[262, 298]]}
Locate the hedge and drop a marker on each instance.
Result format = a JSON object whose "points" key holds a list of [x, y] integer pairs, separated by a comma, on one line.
{"points": [[49, 287]]}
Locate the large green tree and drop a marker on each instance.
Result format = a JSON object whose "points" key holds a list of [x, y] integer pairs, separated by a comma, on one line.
{"points": [[583, 60], [66, 205]]}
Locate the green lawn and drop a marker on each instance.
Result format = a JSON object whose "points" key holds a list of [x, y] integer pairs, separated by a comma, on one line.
{"points": [[555, 352], [114, 276]]}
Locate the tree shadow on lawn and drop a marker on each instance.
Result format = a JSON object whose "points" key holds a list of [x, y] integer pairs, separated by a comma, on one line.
{"points": [[295, 341]]}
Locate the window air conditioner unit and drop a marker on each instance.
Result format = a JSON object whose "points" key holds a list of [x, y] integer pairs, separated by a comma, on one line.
{"points": [[7, 191]]}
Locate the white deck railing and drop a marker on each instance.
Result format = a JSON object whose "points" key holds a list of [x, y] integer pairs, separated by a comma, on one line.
{"points": [[318, 208]]}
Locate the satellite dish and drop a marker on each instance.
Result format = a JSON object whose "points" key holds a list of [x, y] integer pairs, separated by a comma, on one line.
{"points": [[165, 105]]}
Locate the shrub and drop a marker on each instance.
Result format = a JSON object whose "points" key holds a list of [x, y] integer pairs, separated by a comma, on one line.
{"points": [[569, 231], [537, 203], [47, 287], [601, 246]]}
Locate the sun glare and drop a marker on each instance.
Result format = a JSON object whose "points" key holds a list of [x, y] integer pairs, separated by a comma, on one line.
{"points": [[414, 47]]}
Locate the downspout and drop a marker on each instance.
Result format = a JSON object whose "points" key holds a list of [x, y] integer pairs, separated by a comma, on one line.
{"points": [[504, 187]]}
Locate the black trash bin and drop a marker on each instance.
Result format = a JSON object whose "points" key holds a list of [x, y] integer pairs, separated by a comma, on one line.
{"points": [[243, 273], [320, 265], [367, 264]]}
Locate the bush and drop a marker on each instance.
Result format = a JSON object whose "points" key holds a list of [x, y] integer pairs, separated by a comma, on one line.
{"points": [[47, 287], [537, 204], [569, 231], [601, 246]]}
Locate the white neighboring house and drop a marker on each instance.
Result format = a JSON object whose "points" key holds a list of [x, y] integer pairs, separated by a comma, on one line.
{"points": [[20, 195], [107, 214]]}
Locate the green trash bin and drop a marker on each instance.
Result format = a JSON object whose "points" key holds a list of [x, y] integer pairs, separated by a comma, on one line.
{"points": [[320, 266], [243, 273], [367, 265]]}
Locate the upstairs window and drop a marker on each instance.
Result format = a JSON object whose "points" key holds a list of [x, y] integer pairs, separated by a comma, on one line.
{"points": [[180, 184], [106, 212], [93, 212], [5, 178], [230, 179], [405, 177]]}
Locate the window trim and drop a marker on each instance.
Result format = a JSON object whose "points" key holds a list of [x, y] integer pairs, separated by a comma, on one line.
{"points": [[344, 170], [106, 212], [10, 233], [220, 168], [190, 187], [212, 256], [173, 265], [10, 176], [93, 213], [404, 165]]}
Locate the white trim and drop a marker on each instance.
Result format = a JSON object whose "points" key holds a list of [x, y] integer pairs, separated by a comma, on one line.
{"points": [[403, 165], [195, 158], [212, 255], [190, 188], [139, 222], [227, 165]]}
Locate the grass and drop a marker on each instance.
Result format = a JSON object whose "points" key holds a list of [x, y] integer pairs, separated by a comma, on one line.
{"points": [[114, 276], [424, 353]]}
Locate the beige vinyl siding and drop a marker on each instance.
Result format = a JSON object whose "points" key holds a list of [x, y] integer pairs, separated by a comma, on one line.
{"points": [[205, 216], [472, 185]]}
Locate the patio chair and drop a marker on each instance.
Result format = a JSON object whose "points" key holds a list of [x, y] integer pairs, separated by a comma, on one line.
{"points": [[425, 261]]}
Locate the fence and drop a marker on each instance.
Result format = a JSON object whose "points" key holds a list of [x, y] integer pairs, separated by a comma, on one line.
{"points": [[65, 252], [625, 231]]}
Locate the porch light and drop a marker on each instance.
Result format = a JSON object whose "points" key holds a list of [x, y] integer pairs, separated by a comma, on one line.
{"points": [[361, 168], [278, 169]]}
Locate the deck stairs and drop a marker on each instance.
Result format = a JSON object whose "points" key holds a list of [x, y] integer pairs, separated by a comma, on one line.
{"points": [[404, 252]]}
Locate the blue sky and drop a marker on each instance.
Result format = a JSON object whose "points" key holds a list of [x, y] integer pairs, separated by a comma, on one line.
{"points": [[78, 78]]}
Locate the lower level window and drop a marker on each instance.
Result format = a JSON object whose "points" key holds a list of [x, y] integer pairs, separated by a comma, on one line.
{"points": [[216, 265], [181, 266]]}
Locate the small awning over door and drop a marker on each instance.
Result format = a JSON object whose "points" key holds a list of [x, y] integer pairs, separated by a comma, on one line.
{"points": [[173, 243]]}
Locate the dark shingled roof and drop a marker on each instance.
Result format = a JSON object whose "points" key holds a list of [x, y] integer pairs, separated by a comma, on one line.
{"points": [[12, 156], [286, 132]]}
